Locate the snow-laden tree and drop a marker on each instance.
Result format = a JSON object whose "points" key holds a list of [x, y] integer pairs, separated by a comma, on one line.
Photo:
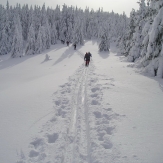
{"points": [[63, 31], [137, 38], [66, 24], [78, 37], [145, 35], [126, 40], [104, 44], [53, 34], [69, 24], [17, 45], [47, 35], [37, 19], [155, 44], [89, 31], [2, 17], [43, 16], [3, 43], [43, 40], [160, 64], [69, 35], [3, 35], [57, 19], [30, 48], [135, 45], [39, 44], [85, 22], [25, 21]]}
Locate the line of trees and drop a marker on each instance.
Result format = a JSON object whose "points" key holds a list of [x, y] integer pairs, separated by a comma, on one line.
{"points": [[30, 30], [142, 42]]}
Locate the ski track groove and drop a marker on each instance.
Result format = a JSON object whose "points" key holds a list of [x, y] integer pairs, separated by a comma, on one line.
{"points": [[78, 132]]}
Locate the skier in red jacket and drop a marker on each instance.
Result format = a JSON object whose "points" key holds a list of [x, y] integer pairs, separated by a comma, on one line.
{"points": [[87, 58]]}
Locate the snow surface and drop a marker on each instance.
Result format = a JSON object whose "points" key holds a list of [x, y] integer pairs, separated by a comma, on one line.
{"points": [[56, 110]]}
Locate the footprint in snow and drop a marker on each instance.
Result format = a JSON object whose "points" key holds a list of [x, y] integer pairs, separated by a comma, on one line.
{"points": [[97, 114], [95, 89], [94, 95], [101, 135], [53, 119], [37, 142], [107, 145], [108, 109], [52, 138], [58, 102], [33, 153], [94, 102], [61, 112], [106, 116], [109, 130]]}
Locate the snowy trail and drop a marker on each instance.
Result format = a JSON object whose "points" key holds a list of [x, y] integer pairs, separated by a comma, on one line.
{"points": [[79, 130], [77, 149], [70, 142], [62, 112]]}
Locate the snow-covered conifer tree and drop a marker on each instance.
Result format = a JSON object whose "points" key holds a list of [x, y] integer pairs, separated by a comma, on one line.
{"points": [[137, 39], [5, 34], [43, 16], [155, 43], [78, 37], [69, 33], [104, 44], [47, 35], [3, 43], [17, 46], [39, 45], [25, 21], [127, 37], [53, 34], [57, 16], [41, 42], [30, 48]]}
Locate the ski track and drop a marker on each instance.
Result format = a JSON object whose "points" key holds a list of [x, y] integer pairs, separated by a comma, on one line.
{"points": [[81, 128], [78, 130]]}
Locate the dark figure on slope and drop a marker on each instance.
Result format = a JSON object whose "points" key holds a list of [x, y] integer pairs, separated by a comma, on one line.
{"points": [[87, 58], [67, 43], [74, 46], [62, 41]]}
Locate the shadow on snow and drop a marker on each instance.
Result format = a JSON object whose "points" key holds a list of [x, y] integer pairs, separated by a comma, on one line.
{"points": [[103, 54], [69, 53]]}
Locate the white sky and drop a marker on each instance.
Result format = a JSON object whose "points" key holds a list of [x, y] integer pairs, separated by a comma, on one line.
{"points": [[118, 6]]}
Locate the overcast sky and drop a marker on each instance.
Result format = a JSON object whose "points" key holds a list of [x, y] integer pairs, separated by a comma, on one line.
{"points": [[118, 6]]}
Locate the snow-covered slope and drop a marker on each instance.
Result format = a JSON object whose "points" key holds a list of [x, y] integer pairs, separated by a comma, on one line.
{"points": [[59, 111]]}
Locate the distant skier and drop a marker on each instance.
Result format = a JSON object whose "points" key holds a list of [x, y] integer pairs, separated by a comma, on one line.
{"points": [[87, 58], [67, 43], [62, 41], [74, 46]]}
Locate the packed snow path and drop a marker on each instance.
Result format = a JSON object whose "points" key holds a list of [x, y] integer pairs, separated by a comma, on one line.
{"points": [[76, 135], [59, 111], [77, 150]]}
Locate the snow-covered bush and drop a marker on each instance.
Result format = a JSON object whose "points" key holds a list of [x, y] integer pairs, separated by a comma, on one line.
{"points": [[47, 57], [104, 44]]}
